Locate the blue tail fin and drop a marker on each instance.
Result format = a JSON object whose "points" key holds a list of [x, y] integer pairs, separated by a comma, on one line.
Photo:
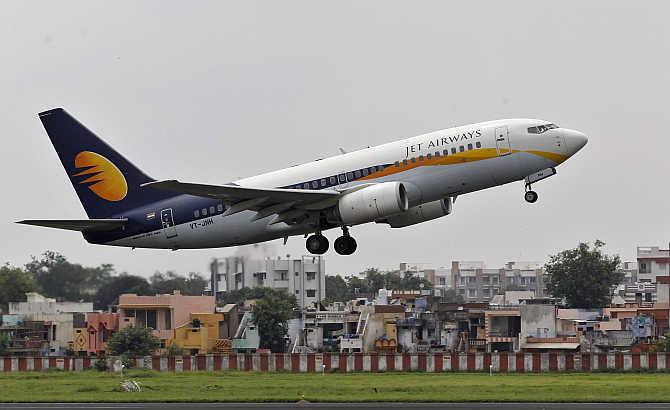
{"points": [[107, 184]]}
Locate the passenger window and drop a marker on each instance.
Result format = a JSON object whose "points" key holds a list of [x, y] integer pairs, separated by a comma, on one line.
{"points": [[461, 148], [333, 180], [219, 207], [397, 164], [357, 174], [211, 210], [420, 157], [315, 184], [371, 169], [365, 172], [469, 147], [478, 144], [437, 154], [404, 162], [453, 150], [445, 152], [429, 156], [204, 211], [342, 178], [196, 213], [380, 168], [305, 185], [350, 176], [413, 160], [324, 182]]}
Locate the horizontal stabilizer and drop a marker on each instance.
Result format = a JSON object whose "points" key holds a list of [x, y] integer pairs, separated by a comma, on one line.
{"points": [[81, 225]]}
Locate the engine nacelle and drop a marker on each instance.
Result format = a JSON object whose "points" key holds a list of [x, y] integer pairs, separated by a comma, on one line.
{"points": [[373, 202], [420, 213]]}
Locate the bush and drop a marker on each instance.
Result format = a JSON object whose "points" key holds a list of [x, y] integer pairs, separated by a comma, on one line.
{"points": [[101, 364], [133, 342], [174, 350]]}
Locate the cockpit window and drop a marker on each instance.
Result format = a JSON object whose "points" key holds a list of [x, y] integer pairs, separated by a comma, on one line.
{"points": [[541, 128]]}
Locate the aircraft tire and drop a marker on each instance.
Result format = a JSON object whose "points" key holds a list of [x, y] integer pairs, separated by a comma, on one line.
{"points": [[345, 245], [317, 244], [530, 196]]}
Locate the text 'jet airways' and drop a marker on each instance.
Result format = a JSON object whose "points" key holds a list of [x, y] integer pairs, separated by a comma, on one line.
{"points": [[401, 183]]}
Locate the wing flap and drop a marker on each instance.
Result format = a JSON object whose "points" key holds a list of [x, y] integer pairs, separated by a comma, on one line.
{"points": [[80, 225]]}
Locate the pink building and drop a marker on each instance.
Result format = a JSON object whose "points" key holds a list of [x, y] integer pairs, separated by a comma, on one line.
{"points": [[162, 313], [100, 327]]}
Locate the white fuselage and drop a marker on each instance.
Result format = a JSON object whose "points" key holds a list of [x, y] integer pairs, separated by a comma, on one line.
{"points": [[479, 156]]}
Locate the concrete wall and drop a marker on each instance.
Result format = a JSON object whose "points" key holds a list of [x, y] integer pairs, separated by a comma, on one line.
{"points": [[538, 321], [313, 363]]}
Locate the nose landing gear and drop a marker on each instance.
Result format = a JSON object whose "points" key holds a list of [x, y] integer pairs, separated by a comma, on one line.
{"points": [[530, 195]]}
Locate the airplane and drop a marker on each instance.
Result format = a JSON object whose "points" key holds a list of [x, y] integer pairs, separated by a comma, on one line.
{"points": [[400, 183]]}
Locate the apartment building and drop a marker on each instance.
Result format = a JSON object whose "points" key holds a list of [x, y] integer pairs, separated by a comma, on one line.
{"points": [[304, 277], [652, 262], [475, 283]]}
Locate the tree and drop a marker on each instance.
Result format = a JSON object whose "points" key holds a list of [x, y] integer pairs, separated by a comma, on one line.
{"points": [[271, 314], [14, 283], [58, 278], [193, 285], [133, 341], [337, 289], [584, 276], [124, 283], [4, 345]]}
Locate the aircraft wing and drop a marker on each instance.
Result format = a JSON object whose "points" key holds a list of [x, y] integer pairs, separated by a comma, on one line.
{"points": [[289, 204], [81, 225]]}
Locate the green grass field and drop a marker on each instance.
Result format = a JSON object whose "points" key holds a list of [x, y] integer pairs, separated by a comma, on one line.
{"points": [[92, 386]]}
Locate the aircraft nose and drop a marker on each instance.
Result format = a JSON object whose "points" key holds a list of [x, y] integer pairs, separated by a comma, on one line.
{"points": [[575, 140]]}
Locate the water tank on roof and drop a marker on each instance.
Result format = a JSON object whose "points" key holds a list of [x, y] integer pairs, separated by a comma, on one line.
{"points": [[383, 297]]}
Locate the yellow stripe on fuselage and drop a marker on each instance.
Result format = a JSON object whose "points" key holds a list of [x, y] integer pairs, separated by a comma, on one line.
{"points": [[458, 158]]}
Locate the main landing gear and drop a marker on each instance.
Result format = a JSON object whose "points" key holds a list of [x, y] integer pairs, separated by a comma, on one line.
{"points": [[317, 244], [344, 245]]}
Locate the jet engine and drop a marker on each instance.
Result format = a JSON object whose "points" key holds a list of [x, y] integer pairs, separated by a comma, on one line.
{"points": [[372, 202], [420, 213]]}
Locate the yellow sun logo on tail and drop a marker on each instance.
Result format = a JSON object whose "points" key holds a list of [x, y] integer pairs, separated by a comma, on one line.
{"points": [[105, 180]]}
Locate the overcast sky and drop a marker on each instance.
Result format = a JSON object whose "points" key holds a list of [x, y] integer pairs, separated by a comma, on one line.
{"points": [[214, 91]]}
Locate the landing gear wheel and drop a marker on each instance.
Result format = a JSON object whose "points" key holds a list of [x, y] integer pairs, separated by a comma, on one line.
{"points": [[530, 196], [345, 245], [317, 244]]}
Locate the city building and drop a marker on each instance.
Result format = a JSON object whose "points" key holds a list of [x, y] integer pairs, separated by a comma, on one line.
{"points": [[652, 262], [92, 339], [303, 277], [62, 317], [162, 313], [475, 283]]}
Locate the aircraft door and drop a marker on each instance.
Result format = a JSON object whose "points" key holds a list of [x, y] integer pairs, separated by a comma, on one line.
{"points": [[502, 141], [167, 220]]}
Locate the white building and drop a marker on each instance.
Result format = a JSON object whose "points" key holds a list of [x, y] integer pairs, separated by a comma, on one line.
{"points": [[303, 277], [652, 262], [63, 317]]}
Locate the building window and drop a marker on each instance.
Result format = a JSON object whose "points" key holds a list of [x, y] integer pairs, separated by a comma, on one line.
{"points": [[310, 293], [151, 319], [297, 291], [472, 293], [168, 319], [645, 267], [311, 275]]}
